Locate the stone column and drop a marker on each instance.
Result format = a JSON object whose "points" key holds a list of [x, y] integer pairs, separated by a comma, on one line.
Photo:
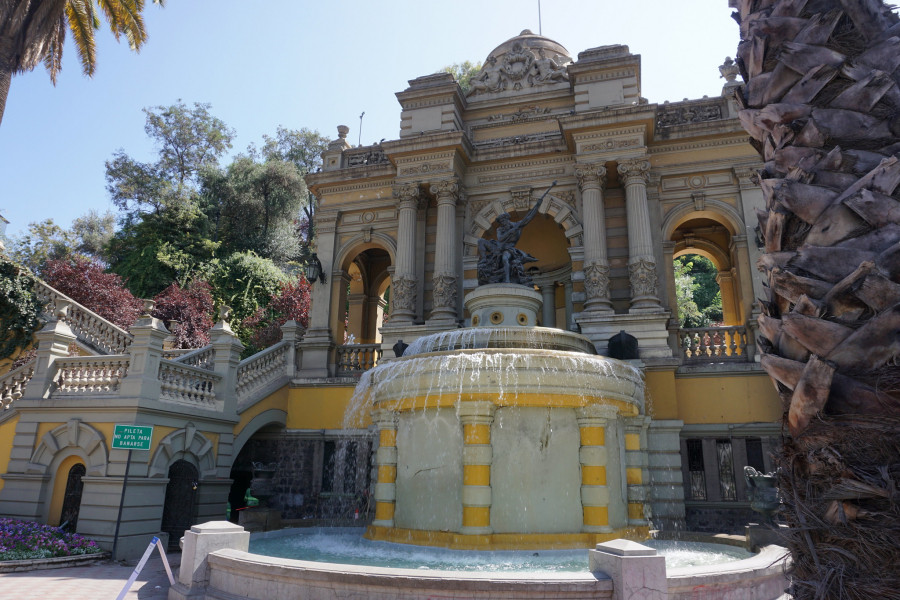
{"points": [[731, 312], [52, 344], [591, 179], [548, 309], [403, 285], [444, 280], [592, 423], [142, 379], [317, 346], [356, 316], [641, 263], [567, 296], [476, 419], [386, 463], [636, 469], [227, 348]]}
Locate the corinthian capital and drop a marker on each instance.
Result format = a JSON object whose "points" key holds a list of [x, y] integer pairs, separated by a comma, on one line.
{"points": [[590, 175], [406, 194], [635, 169], [446, 189]]}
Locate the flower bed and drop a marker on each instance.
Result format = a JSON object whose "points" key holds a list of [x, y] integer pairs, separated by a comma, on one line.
{"points": [[24, 540]]}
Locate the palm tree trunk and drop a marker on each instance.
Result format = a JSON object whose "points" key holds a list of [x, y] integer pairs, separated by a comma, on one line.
{"points": [[821, 103], [5, 80]]}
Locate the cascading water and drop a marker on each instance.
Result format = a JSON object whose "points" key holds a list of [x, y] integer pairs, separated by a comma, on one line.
{"points": [[504, 436]]}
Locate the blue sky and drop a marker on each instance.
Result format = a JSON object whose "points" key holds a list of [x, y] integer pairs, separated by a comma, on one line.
{"points": [[301, 64]]}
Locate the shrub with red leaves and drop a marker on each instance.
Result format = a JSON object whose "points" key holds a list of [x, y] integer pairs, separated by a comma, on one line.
{"points": [[291, 302], [84, 281], [192, 308]]}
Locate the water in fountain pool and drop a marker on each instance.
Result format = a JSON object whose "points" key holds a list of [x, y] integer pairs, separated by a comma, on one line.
{"points": [[347, 546]]}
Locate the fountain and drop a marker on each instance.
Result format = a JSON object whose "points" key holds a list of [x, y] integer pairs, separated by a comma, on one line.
{"points": [[506, 435]]}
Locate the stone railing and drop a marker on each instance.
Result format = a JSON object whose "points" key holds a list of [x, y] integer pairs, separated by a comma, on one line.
{"points": [[355, 359], [187, 384], [199, 357], [88, 375], [87, 325], [691, 111], [12, 385], [713, 344], [261, 369]]}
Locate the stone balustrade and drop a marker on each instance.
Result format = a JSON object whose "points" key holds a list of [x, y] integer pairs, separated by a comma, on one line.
{"points": [[186, 384], [355, 359], [713, 344], [86, 324], [261, 369], [12, 385], [89, 375], [202, 358]]}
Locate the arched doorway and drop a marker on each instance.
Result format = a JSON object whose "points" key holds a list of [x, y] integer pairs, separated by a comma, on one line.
{"points": [[68, 517], [180, 504]]}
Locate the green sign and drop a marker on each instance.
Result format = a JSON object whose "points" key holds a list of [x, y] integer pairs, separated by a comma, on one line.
{"points": [[132, 437]]}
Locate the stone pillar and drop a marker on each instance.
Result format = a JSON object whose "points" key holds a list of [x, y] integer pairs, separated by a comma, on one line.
{"points": [[291, 332], [199, 542], [52, 343], [592, 423], [227, 348], [445, 280], [476, 419], [548, 309], [637, 571], [318, 343], [731, 312], [591, 179], [641, 263], [356, 316], [386, 463], [637, 473], [567, 294], [142, 379], [403, 285]]}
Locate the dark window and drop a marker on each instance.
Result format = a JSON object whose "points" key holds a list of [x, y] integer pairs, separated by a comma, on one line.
{"points": [[350, 452], [328, 466], [68, 518], [755, 454], [695, 467], [726, 470]]}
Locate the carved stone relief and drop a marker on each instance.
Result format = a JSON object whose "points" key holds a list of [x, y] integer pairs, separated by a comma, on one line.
{"points": [[642, 273], [403, 291], [520, 68], [596, 280], [444, 290], [683, 114]]}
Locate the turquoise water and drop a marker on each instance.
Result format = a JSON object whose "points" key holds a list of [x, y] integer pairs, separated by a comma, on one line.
{"points": [[349, 547]]}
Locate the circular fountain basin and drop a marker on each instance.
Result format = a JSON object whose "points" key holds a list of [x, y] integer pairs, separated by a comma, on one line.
{"points": [[258, 577]]}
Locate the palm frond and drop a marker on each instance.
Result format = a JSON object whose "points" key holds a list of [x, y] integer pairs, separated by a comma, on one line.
{"points": [[124, 17], [79, 14]]}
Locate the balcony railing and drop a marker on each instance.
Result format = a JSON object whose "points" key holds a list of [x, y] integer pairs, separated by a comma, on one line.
{"points": [[713, 344], [355, 359], [12, 385]]}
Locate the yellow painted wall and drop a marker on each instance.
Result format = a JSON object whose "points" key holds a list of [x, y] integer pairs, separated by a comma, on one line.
{"points": [[7, 431], [727, 399], [662, 400], [322, 408]]}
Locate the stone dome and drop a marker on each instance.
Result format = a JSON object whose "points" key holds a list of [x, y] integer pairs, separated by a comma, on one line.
{"points": [[529, 40]]}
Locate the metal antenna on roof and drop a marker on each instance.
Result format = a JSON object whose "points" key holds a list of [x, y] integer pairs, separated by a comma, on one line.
{"points": [[359, 139], [540, 31]]}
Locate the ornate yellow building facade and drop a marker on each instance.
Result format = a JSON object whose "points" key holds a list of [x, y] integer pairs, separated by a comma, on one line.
{"points": [[398, 229]]}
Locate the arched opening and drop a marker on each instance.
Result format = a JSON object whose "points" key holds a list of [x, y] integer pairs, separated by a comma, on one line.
{"points": [[180, 505], [711, 241], [68, 516], [363, 307], [546, 240]]}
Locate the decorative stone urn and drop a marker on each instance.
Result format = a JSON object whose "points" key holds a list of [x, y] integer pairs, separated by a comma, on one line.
{"points": [[763, 491]]}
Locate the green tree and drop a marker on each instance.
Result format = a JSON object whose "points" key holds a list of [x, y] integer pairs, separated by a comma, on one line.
{"points": [[707, 294], [44, 240], [685, 287], [463, 73], [33, 31], [254, 206], [19, 308], [93, 233], [188, 140]]}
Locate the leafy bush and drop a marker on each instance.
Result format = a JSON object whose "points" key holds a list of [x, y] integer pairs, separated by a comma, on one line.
{"points": [[291, 302], [19, 309], [84, 281], [192, 308], [23, 540]]}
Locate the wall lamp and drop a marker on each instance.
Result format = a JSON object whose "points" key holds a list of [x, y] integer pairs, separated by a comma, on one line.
{"points": [[314, 269]]}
